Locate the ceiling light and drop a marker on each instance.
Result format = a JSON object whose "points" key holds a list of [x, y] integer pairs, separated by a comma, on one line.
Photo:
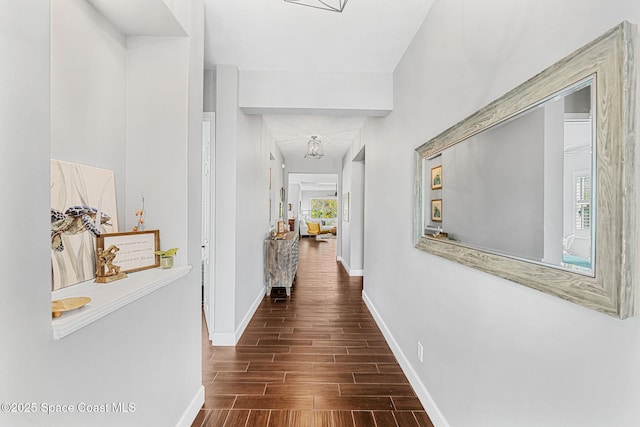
{"points": [[332, 5], [314, 148]]}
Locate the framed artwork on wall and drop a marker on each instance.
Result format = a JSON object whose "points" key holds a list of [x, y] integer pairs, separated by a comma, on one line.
{"points": [[436, 210], [83, 206], [436, 178], [345, 207]]}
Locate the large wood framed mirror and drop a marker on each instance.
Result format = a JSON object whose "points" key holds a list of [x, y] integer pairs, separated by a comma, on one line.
{"points": [[539, 187]]}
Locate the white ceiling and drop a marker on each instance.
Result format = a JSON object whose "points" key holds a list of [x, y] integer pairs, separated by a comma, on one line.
{"points": [[274, 35], [292, 132]]}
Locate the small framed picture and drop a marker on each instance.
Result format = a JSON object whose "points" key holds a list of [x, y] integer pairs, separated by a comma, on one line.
{"points": [[345, 207], [436, 178], [436, 210], [136, 249]]}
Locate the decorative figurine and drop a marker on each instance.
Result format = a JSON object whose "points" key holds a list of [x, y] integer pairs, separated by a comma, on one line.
{"points": [[105, 260]]}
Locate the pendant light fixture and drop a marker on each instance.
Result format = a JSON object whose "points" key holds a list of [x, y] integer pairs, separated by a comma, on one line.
{"points": [[314, 148], [332, 5]]}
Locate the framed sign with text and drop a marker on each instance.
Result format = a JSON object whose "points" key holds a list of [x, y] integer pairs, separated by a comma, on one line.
{"points": [[136, 249]]}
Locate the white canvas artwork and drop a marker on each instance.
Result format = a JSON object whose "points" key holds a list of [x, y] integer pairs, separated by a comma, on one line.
{"points": [[83, 205]]}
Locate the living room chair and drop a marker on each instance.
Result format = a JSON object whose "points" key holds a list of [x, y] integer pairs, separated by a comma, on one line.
{"points": [[314, 229]]}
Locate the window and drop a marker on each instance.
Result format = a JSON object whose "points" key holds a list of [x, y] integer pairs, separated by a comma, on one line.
{"points": [[324, 208], [583, 202]]}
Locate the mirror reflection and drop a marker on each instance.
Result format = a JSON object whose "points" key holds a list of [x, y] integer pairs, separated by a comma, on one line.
{"points": [[523, 188]]}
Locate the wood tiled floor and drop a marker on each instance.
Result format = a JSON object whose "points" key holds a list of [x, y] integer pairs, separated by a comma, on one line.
{"points": [[316, 358]]}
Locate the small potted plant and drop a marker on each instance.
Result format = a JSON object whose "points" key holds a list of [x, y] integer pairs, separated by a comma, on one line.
{"points": [[166, 257]]}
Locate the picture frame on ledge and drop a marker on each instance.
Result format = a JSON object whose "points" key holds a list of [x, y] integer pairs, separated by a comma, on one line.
{"points": [[137, 249]]}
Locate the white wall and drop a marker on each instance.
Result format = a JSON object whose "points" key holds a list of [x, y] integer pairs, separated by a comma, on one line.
{"points": [[209, 102], [251, 219], [481, 205], [496, 353], [241, 204], [137, 354], [88, 90], [157, 94], [292, 92], [302, 165], [225, 201]]}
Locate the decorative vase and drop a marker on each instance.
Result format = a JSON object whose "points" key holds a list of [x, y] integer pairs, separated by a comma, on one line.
{"points": [[166, 261]]}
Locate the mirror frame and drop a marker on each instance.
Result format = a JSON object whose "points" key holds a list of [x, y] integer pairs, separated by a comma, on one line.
{"points": [[611, 60]]}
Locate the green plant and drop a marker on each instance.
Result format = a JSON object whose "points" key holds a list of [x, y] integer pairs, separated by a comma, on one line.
{"points": [[168, 253]]}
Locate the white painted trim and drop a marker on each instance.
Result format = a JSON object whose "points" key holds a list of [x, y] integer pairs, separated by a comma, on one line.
{"points": [[192, 410], [247, 318], [421, 391], [350, 272], [107, 298], [231, 338], [223, 338]]}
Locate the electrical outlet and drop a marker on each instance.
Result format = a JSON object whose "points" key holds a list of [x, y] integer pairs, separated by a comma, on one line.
{"points": [[420, 351]]}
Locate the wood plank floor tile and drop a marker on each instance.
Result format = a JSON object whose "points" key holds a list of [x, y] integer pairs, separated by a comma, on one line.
{"points": [[359, 403], [345, 367], [363, 419], [379, 378], [273, 402], [300, 418], [250, 377], [243, 357], [199, 420], [405, 418], [258, 418], [322, 418], [389, 368], [376, 390], [319, 377], [343, 419], [280, 366], [319, 358], [371, 358], [212, 401], [407, 403], [423, 419], [216, 418], [316, 358], [303, 389], [228, 366], [234, 388], [279, 418], [236, 419], [384, 419], [319, 350], [369, 350]]}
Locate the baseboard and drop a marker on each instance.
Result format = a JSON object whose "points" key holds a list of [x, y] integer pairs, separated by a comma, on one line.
{"points": [[192, 410], [223, 338], [421, 391], [231, 338], [247, 318], [350, 272]]}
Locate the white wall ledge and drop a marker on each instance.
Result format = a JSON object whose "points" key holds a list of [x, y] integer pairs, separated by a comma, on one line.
{"points": [[108, 297]]}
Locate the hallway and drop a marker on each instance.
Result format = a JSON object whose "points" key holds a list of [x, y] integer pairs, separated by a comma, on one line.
{"points": [[314, 359]]}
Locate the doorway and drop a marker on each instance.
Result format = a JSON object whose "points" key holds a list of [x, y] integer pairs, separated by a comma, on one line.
{"points": [[208, 218], [313, 198]]}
